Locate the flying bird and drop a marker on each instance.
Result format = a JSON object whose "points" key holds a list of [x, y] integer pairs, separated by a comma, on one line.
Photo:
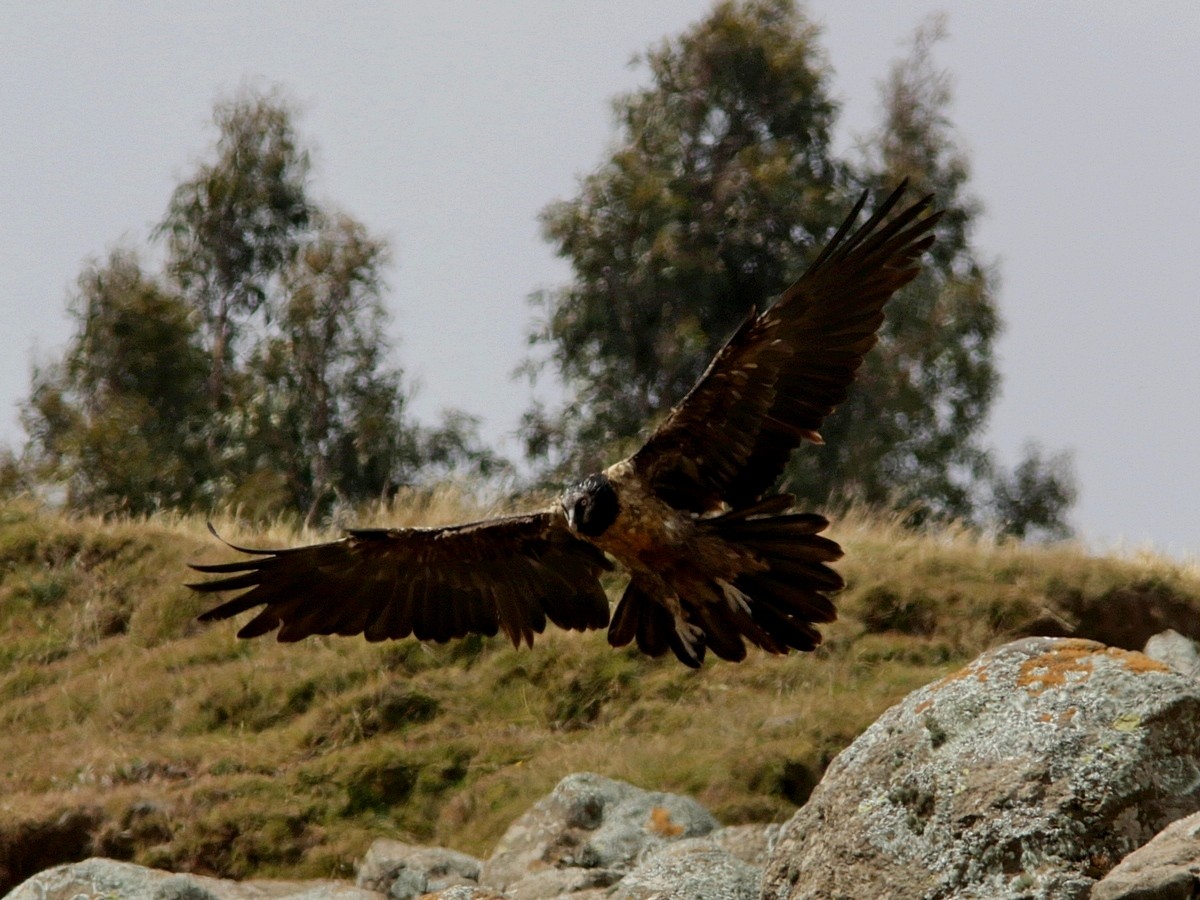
{"points": [[715, 555]]}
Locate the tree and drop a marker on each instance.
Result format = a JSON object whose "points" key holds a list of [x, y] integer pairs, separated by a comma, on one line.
{"points": [[909, 433], [118, 418], [232, 226], [305, 383], [722, 184], [1032, 501], [256, 373], [721, 181]]}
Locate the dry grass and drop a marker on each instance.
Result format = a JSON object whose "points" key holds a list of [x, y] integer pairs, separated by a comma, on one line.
{"points": [[196, 751]]}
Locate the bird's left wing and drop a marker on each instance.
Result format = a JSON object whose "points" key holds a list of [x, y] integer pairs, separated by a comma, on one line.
{"points": [[507, 574], [785, 369]]}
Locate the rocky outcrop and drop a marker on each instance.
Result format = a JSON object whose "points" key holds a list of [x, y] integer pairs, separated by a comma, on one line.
{"points": [[588, 833], [1167, 868], [695, 869], [403, 870], [1029, 774], [105, 879], [1175, 650]]}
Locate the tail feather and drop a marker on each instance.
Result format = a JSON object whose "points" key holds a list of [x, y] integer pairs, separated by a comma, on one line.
{"points": [[788, 596], [774, 608], [791, 594], [794, 633], [638, 618], [819, 575]]}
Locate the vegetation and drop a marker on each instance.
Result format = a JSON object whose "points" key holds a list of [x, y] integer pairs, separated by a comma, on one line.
{"points": [[722, 183], [175, 745], [254, 371]]}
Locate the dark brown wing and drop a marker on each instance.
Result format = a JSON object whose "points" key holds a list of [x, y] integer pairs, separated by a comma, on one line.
{"points": [[508, 574], [784, 371]]}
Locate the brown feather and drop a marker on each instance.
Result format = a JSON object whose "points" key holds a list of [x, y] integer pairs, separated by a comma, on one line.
{"points": [[786, 369], [507, 574]]}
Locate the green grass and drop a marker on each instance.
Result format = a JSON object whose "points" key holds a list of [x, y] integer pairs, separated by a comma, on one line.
{"points": [[201, 752]]}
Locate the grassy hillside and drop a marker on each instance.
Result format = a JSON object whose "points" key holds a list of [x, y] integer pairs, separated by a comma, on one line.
{"points": [[129, 730]]}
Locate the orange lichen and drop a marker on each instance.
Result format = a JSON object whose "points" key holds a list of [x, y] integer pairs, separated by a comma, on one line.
{"points": [[1070, 660], [660, 823], [922, 706], [1138, 663], [1073, 661]]}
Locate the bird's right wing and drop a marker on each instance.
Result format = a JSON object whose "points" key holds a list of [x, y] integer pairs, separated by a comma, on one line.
{"points": [[507, 574]]}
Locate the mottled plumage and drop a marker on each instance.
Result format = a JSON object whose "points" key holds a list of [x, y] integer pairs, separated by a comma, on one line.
{"points": [[715, 558]]}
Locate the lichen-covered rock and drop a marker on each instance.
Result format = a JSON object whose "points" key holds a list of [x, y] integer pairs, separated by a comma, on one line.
{"points": [[403, 870], [104, 879], [1028, 774], [1167, 868], [465, 892], [752, 844], [696, 869], [550, 883], [592, 822], [1179, 652]]}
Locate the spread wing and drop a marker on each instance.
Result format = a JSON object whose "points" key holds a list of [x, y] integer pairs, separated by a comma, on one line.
{"points": [[508, 574], [784, 371]]}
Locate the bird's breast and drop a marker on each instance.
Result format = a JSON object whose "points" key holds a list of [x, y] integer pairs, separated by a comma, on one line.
{"points": [[647, 533]]}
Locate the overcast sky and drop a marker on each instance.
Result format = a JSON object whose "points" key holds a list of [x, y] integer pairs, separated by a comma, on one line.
{"points": [[447, 126]]}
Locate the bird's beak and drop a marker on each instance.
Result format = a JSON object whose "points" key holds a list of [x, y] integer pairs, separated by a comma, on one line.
{"points": [[568, 509]]}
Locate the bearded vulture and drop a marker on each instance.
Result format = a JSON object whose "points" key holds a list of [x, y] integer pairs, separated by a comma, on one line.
{"points": [[715, 554]]}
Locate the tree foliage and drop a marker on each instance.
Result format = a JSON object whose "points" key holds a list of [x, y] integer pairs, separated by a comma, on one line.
{"points": [[721, 179], [255, 371], [909, 433], [119, 418], [237, 222], [1031, 500], [722, 183]]}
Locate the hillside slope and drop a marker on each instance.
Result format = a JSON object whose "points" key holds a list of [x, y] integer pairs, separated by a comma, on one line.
{"points": [[129, 730]]}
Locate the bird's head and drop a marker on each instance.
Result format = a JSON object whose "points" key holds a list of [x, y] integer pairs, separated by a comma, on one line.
{"points": [[591, 505]]}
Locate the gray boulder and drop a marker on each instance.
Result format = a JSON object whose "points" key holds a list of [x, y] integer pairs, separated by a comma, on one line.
{"points": [[1167, 868], [592, 822], [570, 880], [105, 879], [695, 869], [403, 871], [1026, 774], [465, 892], [1179, 652], [752, 844]]}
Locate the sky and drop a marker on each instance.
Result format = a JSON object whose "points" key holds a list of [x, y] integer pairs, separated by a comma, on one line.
{"points": [[445, 127]]}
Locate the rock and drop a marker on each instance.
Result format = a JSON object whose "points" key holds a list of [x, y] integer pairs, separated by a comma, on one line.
{"points": [[550, 883], [752, 844], [1179, 652], [1028, 774], [695, 869], [104, 879], [592, 822], [465, 892], [1167, 868], [402, 870]]}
